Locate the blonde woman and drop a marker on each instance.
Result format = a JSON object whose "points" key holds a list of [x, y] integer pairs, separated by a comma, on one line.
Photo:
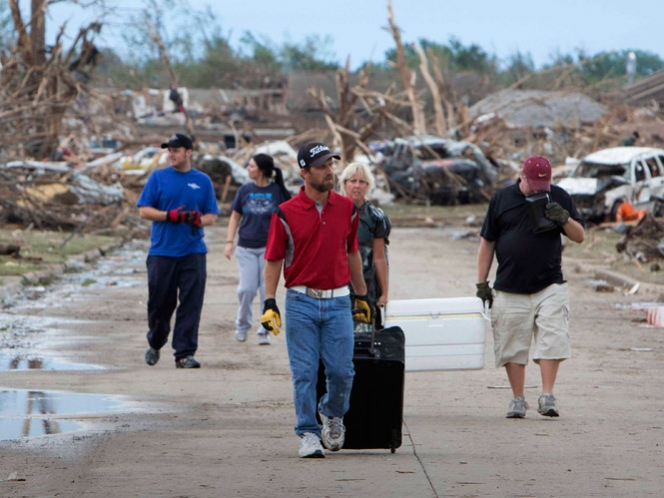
{"points": [[356, 182]]}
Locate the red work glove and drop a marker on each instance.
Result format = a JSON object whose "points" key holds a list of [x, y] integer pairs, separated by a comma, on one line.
{"points": [[178, 215]]}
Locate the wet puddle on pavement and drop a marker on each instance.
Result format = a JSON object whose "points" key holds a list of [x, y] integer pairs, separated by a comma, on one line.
{"points": [[10, 363], [38, 413], [25, 342], [29, 343]]}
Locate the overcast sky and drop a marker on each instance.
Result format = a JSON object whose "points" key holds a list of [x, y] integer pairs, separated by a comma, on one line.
{"points": [[500, 27]]}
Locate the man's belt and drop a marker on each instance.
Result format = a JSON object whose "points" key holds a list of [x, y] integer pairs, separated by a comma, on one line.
{"points": [[322, 293]]}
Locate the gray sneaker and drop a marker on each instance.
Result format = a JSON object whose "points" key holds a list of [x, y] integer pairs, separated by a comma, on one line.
{"points": [[310, 446], [188, 362], [151, 356], [241, 336], [334, 432], [518, 407], [547, 405]]}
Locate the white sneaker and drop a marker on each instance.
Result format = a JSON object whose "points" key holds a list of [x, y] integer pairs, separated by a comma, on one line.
{"points": [[310, 446], [263, 339], [334, 432], [240, 336]]}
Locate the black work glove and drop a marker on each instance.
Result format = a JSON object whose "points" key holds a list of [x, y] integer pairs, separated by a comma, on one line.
{"points": [[361, 309], [194, 219], [556, 213], [271, 319], [178, 215], [484, 292]]}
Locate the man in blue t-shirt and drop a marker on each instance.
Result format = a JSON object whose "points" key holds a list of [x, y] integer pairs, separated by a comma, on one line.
{"points": [[179, 201]]}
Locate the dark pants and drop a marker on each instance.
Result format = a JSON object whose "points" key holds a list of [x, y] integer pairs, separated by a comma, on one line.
{"points": [[167, 276]]}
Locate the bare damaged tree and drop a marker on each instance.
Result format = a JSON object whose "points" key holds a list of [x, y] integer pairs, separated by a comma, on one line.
{"points": [[37, 86], [156, 37], [344, 123]]}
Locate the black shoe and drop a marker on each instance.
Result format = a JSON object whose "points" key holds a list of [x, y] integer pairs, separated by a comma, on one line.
{"points": [[188, 362], [151, 356]]}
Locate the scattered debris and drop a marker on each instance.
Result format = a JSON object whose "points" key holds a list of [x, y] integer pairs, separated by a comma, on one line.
{"points": [[601, 286], [644, 242], [655, 316], [13, 477]]}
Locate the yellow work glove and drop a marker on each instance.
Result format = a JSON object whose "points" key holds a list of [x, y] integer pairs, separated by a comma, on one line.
{"points": [[271, 319], [361, 309]]}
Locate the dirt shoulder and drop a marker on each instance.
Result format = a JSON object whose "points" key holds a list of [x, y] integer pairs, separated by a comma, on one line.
{"points": [[226, 429]]}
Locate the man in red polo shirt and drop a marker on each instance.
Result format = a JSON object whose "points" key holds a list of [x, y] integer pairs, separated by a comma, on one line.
{"points": [[314, 237]]}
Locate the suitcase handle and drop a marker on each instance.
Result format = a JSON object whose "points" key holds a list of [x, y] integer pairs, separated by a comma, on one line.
{"points": [[369, 352], [381, 316]]}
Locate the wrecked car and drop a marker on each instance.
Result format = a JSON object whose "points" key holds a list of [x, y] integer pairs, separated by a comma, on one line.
{"points": [[605, 179], [440, 170]]}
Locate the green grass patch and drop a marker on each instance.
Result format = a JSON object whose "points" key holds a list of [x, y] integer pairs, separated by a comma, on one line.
{"points": [[88, 282], [47, 246]]}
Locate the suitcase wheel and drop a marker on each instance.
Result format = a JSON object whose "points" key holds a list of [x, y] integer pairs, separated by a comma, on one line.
{"points": [[393, 444]]}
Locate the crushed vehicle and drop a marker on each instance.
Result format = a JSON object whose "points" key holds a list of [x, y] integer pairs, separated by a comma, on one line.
{"points": [[440, 170], [605, 179]]}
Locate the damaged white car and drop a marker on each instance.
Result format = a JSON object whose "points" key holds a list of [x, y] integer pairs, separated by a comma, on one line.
{"points": [[605, 179]]}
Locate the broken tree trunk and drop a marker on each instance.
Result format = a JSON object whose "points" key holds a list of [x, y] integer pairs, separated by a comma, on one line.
{"points": [[450, 119], [439, 117], [407, 76], [38, 32]]}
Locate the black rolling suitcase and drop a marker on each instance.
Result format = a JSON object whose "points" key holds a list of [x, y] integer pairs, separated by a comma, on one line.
{"points": [[375, 416]]}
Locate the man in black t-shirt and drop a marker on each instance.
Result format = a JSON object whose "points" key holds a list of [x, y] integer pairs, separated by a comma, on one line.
{"points": [[529, 296]]}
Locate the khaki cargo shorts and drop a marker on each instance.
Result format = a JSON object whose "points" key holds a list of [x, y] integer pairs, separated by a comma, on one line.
{"points": [[518, 318]]}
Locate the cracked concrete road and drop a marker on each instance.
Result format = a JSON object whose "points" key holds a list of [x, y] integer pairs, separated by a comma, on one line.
{"points": [[226, 430]]}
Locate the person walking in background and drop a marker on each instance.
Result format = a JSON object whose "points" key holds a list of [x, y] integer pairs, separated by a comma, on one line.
{"points": [[252, 208], [632, 139], [179, 201], [356, 183], [531, 297], [314, 238]]}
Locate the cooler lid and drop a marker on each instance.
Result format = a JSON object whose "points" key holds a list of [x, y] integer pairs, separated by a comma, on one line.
{"points": [[427, 307]]}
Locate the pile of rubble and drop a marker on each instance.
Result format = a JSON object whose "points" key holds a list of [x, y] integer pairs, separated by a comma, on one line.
{"points": [[512, 125], [644, 243], [99, 195]]}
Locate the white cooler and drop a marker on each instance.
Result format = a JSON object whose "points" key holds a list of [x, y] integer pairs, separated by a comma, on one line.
{"points": [[441, 334]]}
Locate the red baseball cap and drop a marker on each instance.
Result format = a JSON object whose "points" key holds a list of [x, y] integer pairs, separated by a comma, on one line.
{"points": [[537, 170]]}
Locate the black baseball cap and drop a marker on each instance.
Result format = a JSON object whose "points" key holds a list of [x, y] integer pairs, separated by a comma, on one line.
{"points": [[179, 140], [314, 154]]}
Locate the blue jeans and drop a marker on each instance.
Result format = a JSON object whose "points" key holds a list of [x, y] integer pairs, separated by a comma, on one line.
{"points": [[319, 329]]}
